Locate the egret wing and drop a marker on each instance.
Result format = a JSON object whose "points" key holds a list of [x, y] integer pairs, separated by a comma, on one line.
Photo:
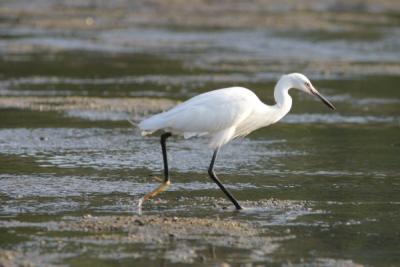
{"points": [[209, 112]]}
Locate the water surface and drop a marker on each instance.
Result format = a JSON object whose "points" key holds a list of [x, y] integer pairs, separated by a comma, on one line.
{"points": [[321, 188]]}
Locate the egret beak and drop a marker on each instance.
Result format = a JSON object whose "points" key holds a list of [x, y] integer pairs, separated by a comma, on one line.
{"points": [[323, 99]]}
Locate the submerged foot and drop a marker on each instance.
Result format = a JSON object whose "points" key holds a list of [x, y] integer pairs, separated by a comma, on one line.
{"points": [[162, 187]]}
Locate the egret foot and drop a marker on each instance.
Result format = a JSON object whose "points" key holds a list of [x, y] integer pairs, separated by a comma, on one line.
{"points": [[155, 192]]}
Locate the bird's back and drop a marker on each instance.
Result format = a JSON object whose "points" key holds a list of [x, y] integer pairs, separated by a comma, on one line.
{"points": [[211, 113]]}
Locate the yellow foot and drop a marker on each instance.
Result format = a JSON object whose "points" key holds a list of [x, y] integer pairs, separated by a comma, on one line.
{"points": [[153, 193]]}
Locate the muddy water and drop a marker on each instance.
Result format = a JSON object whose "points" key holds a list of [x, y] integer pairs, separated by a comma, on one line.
{"points": [[320, 188]]}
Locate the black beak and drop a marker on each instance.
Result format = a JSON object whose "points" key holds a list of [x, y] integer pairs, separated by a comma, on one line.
{"points": [[323, 99]]}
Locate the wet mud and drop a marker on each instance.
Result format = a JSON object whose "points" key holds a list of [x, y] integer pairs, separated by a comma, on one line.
{"points": [[175, 235], [91, 108]]}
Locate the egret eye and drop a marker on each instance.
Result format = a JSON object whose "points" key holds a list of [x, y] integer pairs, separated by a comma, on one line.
{"points": [[307, 84]]}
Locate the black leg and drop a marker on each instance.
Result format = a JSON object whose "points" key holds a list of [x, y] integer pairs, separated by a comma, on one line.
{"points": [[166, 182], [218, 182], [164, 154]]}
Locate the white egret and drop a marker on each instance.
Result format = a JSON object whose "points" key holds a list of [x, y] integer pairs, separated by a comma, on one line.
{"points": [[223, 115]]}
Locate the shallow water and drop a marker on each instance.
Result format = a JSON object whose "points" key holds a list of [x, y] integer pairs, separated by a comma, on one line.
{"points": [[320, 188]]}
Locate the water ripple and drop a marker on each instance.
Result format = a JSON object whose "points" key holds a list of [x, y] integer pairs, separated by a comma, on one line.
{"points": [[123, 148], [338, 118]]}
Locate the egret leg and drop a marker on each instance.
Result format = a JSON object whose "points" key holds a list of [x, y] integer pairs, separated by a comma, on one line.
{"points": [[167, 181], [218, 182]]}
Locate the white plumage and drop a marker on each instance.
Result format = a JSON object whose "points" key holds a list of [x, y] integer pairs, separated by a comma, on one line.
{"points": [[223, 115], [227, 113], [217, 114]]}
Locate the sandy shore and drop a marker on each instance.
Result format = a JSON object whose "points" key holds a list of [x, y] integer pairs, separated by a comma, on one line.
{"points": [[133, 107]]}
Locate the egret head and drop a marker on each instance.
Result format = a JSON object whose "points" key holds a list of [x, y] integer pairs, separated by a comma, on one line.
{"points": [[301, 82]]}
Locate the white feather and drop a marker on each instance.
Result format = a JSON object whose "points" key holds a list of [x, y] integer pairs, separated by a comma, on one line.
{"points": [[225, 113], [211, 113]]}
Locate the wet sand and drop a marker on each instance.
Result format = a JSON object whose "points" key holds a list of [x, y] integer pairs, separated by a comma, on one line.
{"points": [[152, 230], [135, 107], [304, 15]]}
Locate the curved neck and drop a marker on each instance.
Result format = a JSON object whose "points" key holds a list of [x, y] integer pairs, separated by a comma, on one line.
{"points": [[282, 97]]}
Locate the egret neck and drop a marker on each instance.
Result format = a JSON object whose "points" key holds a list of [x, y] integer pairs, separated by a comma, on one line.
{"points": [[282, 98]]}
